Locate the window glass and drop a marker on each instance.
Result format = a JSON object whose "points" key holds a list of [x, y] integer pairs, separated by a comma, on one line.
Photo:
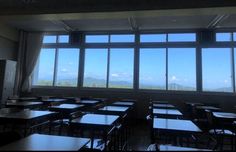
{"points": [[44, 69], [216, 69], [223, 37], [152, 68], [122, 38], [182, 37], [96, 39], [50, 39], [67, 67], [234, 36], [121, 68], [95, 68], [152, 38], [63, 38], [182, 69]]}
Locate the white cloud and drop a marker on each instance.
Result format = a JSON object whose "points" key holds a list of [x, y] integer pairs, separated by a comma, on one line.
{"points": [[226, 81], [173, 78], [115, 75], [64, 70]]}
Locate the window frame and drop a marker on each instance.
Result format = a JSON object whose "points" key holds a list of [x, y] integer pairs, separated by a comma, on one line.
{"points": [[137, 45]]}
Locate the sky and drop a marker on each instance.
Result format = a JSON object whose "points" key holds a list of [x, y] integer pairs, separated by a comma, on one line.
{"points": [[181, 61]]}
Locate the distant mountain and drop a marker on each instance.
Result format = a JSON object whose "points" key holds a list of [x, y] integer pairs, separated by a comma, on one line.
{"points": [[175, 86], [95, 82], [223, 89]]}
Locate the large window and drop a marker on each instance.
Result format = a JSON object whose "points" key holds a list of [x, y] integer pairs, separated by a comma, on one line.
{"points": [[182, 69], [121, 68], [216, 69], [95, 68], [67, 67], [57, 67], [163, 61], [44, 70], [152, 68]]}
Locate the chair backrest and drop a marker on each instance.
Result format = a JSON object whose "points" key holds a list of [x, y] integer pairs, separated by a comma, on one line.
{"points": [[75, 115], [209, 117]]}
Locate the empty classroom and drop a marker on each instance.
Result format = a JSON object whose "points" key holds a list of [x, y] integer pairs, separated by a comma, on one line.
{"points": [[115, 75]]}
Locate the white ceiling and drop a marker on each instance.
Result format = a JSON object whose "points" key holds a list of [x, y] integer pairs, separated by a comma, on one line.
{"points": [[144, 20]]}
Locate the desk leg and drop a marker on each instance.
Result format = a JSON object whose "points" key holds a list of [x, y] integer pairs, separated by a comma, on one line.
{"points": [[92, 139], [105, 139], [25, 130]]}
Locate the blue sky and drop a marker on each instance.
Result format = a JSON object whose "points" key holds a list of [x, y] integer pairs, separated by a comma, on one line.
{"points": [[181, 62]]}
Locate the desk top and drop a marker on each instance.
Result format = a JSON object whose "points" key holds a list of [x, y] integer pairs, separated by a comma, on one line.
{"points": [[96, 119], [89, 101], [53, 100], [167, 111], [23, 98], [159, 105], [224, 115], [67, 106], [24, 103], [39, 142], [176, 148], [194, 103], [175, 125], [208, 108], [123, 103], [115, 108], [25, 114]]}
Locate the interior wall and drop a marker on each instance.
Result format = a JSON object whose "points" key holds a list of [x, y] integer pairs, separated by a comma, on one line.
{"points": [[8, 43], [223, 100]]}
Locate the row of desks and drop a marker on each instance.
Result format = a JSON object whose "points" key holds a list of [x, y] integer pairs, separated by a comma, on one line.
{"points": [[168, 119], [102, 121]]}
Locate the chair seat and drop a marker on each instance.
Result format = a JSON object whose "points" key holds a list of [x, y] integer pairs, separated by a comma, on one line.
{"points": [[221, 132], [98, 144], [149, 117], [152, 147]]}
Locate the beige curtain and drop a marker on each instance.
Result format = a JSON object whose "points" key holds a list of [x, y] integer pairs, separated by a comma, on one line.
{"points": [[29, 50]]}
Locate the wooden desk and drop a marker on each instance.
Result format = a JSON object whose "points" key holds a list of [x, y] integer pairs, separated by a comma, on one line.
{"points": [[66, 108], [52, 101], [93, 122], [177, 128], [177, 148], [194, 104], [212, 108], [165, 106], [24, 104], [24, 98], [96, 120], [123, 103], [39, 142], [160, 102], [173, 125], [115, 110], [167, 113], [224, 115], [28, 118], [89, 102]]}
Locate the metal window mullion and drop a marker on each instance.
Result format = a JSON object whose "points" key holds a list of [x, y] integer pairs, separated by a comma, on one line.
{"points": [[81, 63], [167, 35], [136, 62], [108, 62], [233, 69], [167, 69], [55, 67], [108, 67], [199, 69]]}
